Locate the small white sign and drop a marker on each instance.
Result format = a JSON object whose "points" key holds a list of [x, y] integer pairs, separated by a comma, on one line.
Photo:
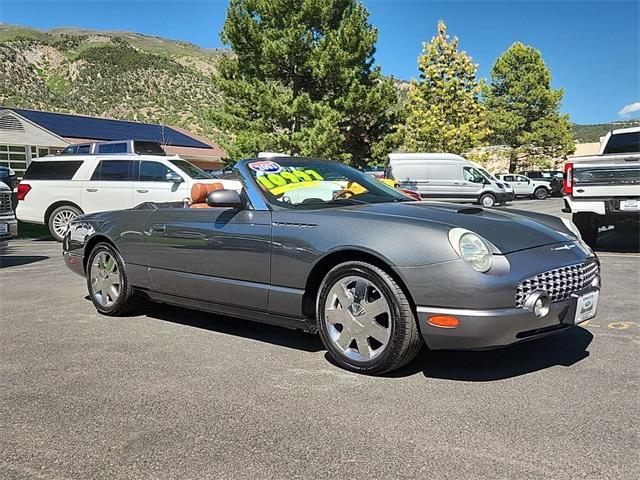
{"points": [[586, 307], [4, 228], [630, 205]]}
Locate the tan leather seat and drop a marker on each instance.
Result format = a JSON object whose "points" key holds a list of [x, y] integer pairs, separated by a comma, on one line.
{"points": [[199, 193]]}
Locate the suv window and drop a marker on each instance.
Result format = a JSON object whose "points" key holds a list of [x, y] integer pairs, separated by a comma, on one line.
{"points": [[153, 171], [52, 170], [522, 178], [508, 178], [114, 170], [472, 175], [148, 148], [112, 148], [623, 143]]}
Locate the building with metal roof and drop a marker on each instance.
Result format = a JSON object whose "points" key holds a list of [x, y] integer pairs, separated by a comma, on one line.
{"points": [[27, 134]]}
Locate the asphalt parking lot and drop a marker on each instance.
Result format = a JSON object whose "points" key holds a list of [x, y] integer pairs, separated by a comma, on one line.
{"points": [[174, 393]]}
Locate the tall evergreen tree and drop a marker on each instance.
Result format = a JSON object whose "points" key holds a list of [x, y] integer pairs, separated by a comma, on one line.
{"points": [[523, 109], [443, 109], [301, 80]]}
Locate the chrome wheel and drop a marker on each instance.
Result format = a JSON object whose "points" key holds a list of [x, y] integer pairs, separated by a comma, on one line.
{"points": [[105, 279], [358, 318], [60, 222], [488, 201]]}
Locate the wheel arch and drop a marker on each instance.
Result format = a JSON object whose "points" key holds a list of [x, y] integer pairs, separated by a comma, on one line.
{"points": [[59, 203], [330, 260], [90, 245]]}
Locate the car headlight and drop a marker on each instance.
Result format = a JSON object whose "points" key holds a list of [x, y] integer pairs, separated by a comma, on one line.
{"points": [[471, 248]]}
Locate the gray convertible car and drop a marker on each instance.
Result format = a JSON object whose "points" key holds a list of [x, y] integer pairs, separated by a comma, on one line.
{"points": [[319, 246]]}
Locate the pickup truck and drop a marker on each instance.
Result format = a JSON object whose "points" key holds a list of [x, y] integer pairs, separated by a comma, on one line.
{"points": [[527, 187], [8, 222], [604, 189]]}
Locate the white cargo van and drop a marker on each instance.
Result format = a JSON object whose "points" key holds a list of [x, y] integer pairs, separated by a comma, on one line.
{"points": [[445, 176]]}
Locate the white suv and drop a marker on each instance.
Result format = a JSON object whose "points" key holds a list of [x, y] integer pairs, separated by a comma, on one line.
{"points": [[55, 190], [526, 187]]}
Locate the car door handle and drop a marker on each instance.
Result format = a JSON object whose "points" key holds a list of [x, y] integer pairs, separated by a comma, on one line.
{"points": [[457, 183], [158, 228], [142, 191], [92, 190]]}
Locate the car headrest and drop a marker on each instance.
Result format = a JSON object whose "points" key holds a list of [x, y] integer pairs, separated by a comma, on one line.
{"points": [[200, 191]]}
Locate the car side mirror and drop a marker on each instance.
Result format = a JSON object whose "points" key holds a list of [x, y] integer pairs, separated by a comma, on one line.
{"points": [[174, 177], [225, 198]]}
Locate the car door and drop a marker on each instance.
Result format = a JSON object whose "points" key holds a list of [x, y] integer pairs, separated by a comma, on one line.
{"points": [[472, 183], [444, 180], [522, 185], [109, 186], [151, 184], [219, 255]]}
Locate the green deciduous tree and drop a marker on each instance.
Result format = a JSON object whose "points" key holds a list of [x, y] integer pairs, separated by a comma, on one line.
{"points": [[443, 108], [301, 81], [523, 109]]}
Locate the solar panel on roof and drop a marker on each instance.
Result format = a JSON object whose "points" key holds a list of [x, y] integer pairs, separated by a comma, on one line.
{"points": [[77, 126]]}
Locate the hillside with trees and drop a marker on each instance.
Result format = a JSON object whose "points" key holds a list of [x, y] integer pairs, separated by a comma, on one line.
{"points": [[112, 74]]}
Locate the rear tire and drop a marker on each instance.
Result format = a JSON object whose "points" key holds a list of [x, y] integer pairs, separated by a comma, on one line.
{"points": [[59, 219], [540, 193], [365, 320], [487, 200], [587, 226], [107, 282]]}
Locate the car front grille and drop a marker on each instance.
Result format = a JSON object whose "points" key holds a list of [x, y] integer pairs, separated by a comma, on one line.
{"points": [[559, 283], [5, 202]]}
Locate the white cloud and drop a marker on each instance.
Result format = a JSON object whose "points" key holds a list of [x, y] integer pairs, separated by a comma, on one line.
{"points": [[627, 109]]}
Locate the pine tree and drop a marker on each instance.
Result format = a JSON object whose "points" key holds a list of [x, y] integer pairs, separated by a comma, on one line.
{"points": [[443, 109], [301, 81], [524, 110]]}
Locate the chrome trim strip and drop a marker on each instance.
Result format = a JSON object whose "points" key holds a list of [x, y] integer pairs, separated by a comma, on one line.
{"points": [[496, 312]]}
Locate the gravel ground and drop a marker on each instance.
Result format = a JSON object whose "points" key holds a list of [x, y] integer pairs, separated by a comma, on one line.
{"points": [[174, 393]]}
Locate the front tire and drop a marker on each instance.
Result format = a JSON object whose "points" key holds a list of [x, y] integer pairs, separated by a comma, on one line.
{"points": [[540, 193], [365, 320], [59, 220], [109, 287], [487, 200], [587, 226]]}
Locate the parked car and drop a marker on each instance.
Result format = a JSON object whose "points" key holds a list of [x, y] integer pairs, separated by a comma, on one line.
{"points": [[295, 248], [526, 187], [8, 222], [55, 190], [8, 177], [553, 177], [445, 176], [377, 172], [604, 189]]}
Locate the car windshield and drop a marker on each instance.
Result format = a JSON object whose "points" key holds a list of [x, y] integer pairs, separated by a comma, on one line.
{"points": [[191, 170], [308, 183]]}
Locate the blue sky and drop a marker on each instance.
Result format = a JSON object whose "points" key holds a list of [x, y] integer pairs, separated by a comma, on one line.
{"points": [[592, 47]]}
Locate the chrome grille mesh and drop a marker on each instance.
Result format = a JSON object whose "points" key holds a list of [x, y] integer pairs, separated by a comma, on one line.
{"points": [[5, 202], [559, 283]]}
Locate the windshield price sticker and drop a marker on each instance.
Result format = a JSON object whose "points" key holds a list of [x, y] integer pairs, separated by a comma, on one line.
{"points": [[265, 167], [271, 181]]}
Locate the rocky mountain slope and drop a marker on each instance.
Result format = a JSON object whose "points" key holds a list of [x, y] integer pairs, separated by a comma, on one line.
{"points": [[113, 74]]}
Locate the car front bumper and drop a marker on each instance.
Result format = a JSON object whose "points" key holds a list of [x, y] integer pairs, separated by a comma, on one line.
{"points": [[11, 228], [494, 328]]}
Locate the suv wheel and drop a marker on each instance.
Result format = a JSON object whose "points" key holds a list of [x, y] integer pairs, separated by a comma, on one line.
{"points": [[540, 193], [365, 320], [107, 281], [587, 226], [487, 200], [59, 220]]}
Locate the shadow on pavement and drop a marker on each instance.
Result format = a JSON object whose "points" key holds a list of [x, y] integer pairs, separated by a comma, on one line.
{"points": [[563, 349], [7, 261], [234, 326]]}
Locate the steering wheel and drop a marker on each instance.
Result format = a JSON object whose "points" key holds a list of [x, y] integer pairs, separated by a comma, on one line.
{"points": [[345, 193]]}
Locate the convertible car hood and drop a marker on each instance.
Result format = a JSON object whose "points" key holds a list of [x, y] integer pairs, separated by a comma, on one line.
{"points": [[507, 230]]}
